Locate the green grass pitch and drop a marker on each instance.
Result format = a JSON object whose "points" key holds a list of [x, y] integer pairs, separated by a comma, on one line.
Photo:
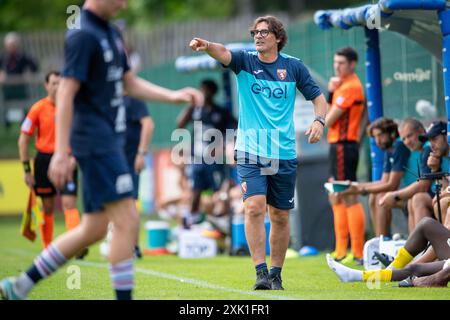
{"points": [[169, 277]]}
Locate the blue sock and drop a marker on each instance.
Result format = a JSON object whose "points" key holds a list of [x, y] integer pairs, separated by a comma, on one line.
{"points": [[34, 274], [123, 294], [275, 271], [261, 266]]}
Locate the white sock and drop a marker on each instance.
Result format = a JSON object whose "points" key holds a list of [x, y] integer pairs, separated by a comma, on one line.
{"points": [[23, 285], [446, 264], [344, 273]]}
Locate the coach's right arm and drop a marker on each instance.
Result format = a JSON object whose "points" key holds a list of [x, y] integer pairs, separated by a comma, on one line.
{"points": [[215, 50]]}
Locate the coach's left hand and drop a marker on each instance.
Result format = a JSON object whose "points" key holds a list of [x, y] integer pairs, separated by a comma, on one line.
{"points": [[315, 132], [60, 169]]}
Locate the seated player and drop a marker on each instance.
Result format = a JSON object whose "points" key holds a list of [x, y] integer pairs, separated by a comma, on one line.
{"points": [[410, 131], [428, 230], [437, 162], [437, 280], [385, 133]]}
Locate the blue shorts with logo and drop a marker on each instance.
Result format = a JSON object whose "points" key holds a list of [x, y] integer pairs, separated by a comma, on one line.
{"points": [[105, 178], [270, 177]]}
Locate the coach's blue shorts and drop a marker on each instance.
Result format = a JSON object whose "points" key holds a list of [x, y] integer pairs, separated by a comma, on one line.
{"points": [[105, 178], [273, 178]]}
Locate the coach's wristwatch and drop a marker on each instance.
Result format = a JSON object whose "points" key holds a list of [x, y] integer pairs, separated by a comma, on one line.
{"points": [[396, 197], [320, 119]]}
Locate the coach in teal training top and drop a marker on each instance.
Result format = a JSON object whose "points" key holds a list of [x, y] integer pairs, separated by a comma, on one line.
{"points": [[265, 147]]}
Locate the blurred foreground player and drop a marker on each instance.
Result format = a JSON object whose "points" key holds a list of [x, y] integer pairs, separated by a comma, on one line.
{"points": [[90, 101]]}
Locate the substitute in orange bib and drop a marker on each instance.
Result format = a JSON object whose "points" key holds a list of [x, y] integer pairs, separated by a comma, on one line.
{"points": [[41, 118], [344, 119]]}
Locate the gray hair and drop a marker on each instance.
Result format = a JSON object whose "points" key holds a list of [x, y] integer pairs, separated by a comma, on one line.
{"points": [[414, 123], [12, 37]]}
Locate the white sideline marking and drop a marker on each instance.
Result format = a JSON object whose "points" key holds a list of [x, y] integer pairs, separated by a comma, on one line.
{"points": [[192, 281], [169, 276]]}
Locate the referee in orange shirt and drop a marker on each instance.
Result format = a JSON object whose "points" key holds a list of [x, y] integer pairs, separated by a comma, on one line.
{"points": [[41, 117], [343, 120]]}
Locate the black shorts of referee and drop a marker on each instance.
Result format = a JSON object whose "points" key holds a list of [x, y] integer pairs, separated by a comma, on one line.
{"points": [[43, 186], [344, 157]]}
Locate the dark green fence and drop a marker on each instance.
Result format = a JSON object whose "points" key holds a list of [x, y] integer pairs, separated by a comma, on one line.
{"points": [[409, 72]]}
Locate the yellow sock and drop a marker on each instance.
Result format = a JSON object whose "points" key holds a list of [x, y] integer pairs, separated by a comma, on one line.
{"points": [[381, 275], [402, 259]]}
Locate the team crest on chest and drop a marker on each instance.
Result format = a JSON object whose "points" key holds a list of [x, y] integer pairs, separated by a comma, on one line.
{"points": [[119, 45], [108, 54], [282, 73]]}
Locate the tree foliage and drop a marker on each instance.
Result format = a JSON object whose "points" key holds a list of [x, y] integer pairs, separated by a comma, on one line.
{"points": [[34, 14], [26, 15]]}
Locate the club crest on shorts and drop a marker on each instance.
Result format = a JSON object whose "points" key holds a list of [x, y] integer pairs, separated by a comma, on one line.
{"points": [[244, 187], [282, 73], [124, 184]]}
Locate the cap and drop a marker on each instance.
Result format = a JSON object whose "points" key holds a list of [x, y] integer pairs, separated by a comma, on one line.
{"points": [[434, 130]]}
